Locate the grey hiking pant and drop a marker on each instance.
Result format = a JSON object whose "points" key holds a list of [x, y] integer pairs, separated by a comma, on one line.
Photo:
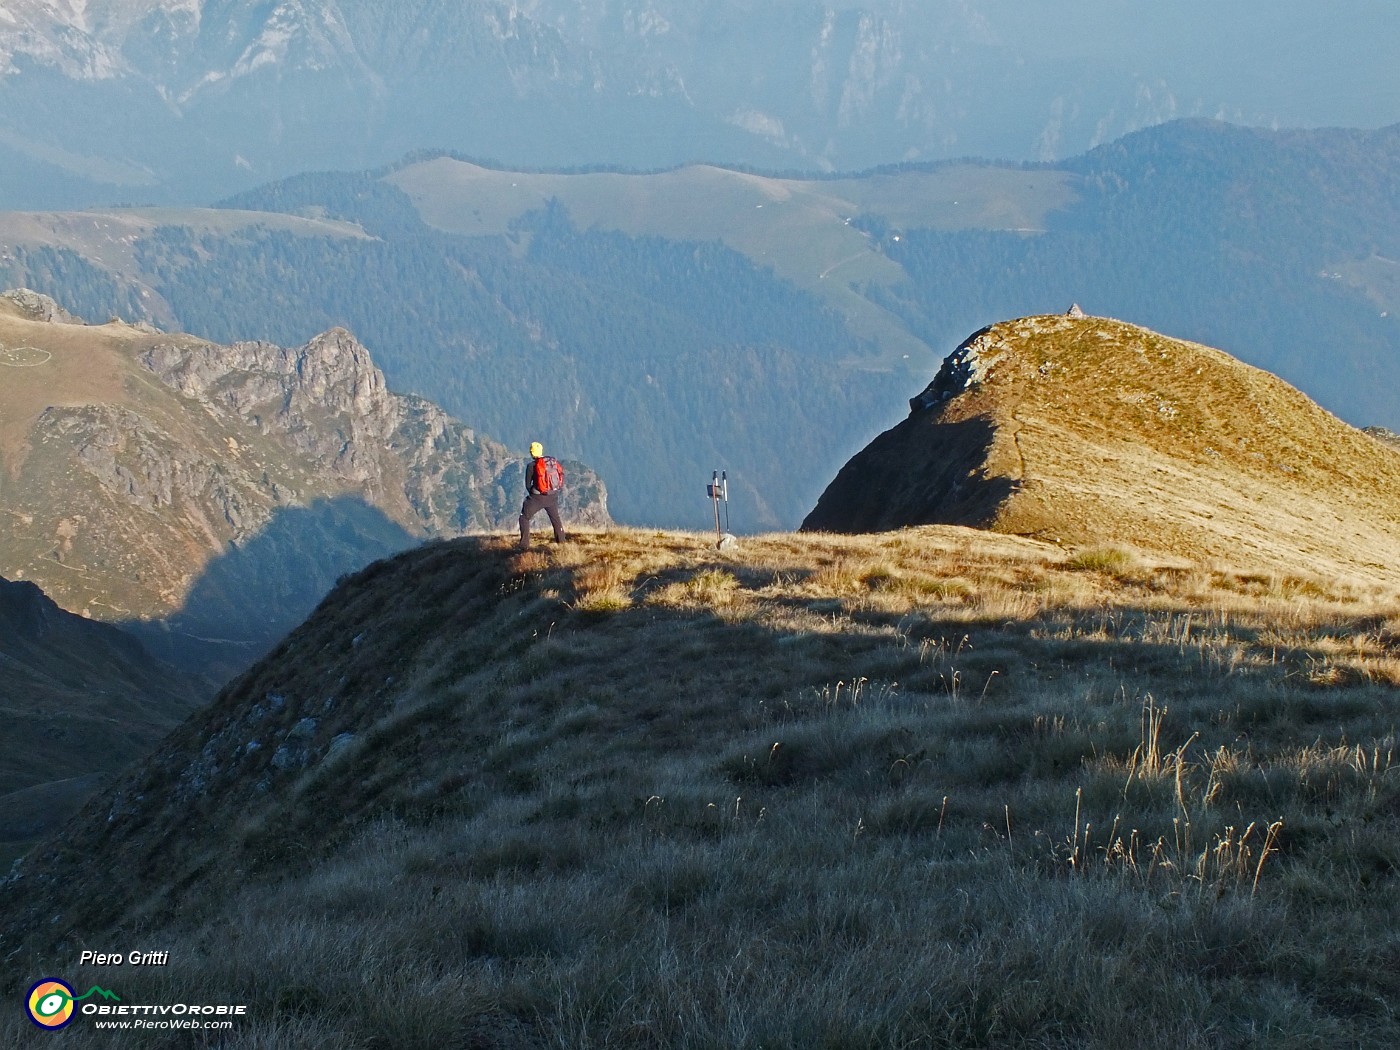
{"points": [[534, 503]]}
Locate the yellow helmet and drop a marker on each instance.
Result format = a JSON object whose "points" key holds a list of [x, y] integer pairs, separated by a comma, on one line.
{"points": [[536, 449]]}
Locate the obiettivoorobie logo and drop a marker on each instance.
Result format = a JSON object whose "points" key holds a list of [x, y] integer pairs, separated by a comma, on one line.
{"points": [[50, 1002]]}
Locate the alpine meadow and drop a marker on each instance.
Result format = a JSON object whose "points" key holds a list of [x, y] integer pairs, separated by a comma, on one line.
{"points": [[1027, 675]]}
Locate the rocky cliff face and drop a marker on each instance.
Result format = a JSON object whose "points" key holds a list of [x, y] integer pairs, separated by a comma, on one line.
{"points": [[329, 403], [37, 307], [219, 491]]}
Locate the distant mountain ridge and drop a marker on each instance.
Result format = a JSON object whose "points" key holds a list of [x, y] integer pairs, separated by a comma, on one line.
{"points": [[220, 490], [108, 100], [1088, 431]]}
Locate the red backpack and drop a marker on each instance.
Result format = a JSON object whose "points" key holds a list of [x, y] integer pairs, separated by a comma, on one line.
{"points": [[549, 475]]}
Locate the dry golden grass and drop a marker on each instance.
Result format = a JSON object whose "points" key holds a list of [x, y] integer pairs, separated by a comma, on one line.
{"points": [[82, 367], [1105, 435], [931, 788]]}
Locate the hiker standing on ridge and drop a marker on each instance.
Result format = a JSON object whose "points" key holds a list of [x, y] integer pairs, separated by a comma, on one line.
{"points": [[544, 477]]}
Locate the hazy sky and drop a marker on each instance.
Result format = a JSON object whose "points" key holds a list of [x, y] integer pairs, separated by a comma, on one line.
{"points": [[1300, 61]]}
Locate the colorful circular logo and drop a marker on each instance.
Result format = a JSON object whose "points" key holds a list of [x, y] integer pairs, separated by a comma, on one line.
{"points": [[51, 1003]]}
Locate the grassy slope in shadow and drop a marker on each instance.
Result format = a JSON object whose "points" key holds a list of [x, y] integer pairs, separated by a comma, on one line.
{"points": [[930, 788]]}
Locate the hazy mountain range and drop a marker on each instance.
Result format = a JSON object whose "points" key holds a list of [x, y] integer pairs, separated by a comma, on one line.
{"points": [[662, 325], [1137, 685], [127, 100]]}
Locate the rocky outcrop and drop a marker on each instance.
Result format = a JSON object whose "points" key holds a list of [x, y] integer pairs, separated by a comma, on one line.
{"points": [[332, 373], [37, 307], [1390, 437], [969, 364], [329, 402]]}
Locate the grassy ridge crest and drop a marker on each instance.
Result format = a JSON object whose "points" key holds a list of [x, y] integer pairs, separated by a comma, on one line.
{"points": [[935, 787], [1076, 429]]}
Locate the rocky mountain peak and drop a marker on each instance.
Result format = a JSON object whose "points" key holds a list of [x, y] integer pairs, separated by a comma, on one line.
{"points": [[334, 370], [35, 306], [276, 386], [326, 398]]}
